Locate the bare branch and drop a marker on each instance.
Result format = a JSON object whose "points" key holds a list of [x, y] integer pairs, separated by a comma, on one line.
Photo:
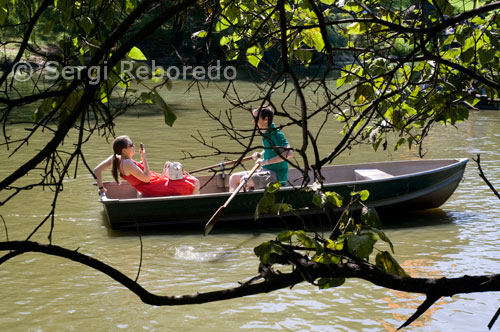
{"points": [[483, 176]]}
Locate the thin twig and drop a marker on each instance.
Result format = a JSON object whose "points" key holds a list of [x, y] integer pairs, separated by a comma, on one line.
{"points": [[483, 176]]}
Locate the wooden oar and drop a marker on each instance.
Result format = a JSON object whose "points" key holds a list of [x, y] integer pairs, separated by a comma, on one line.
{"points": [[224, 163], [210, 224]]}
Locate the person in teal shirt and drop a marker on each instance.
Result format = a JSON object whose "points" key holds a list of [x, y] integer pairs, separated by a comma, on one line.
{"points": [[274, 167]]}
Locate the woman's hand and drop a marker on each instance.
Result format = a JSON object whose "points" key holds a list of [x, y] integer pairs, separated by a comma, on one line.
{"points": [[142, 151], [102, 191]]}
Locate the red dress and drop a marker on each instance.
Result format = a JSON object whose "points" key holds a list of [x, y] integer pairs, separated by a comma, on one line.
{"points": [[161, 185]]}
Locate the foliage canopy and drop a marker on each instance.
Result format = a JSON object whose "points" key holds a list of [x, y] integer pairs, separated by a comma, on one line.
{"points": [[399, 69]]}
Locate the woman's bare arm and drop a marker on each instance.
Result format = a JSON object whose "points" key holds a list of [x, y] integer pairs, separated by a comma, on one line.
{"points": [[101, 167], [130, 168]]}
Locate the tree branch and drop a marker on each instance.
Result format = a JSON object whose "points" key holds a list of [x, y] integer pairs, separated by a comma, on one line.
{"points": [[483, 176], [354, 269]]}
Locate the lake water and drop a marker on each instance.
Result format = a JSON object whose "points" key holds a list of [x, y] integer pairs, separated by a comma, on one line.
{"points": [[41, 293]]}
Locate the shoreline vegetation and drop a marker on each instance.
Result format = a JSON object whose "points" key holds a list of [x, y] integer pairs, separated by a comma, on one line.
{"points": [[9, 53]]}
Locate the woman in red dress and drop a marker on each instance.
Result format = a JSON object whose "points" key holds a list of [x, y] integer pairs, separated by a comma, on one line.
{"points": [[148, 183]]}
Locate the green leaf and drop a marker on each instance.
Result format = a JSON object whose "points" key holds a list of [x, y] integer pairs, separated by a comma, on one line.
{"points": [[86, 23], [467, 55], [355, 29], [273, 187], [168, 113], [199, 34], [319, 199], [44, 107], [363, 194], [46, 29], [410, 142], [147, 97], [345, 220], [363, 93], [303, 55], [313, 38], [386, 262], [3, 11], [254, 56], [224, 40], [306, 240], [334, 198], [353, 6], [266, 203], [486, 56], [222, 24], [325, 258], [369, 217], [399, 143], [136, 54], [285, 236], [361, 245], [66, 8], [336, 245], [341, 81], [169, 83], [130, 5], [493, 39], [479, 20], [324, 283], [103, 95], [444, 6], [282, 207], [264, 251], [384, 238]]}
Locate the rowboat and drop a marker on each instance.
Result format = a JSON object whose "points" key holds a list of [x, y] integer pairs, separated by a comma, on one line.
{"points": [[395, 186]]}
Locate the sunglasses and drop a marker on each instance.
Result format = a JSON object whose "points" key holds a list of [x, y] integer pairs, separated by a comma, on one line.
{"points": [[131, 145]]}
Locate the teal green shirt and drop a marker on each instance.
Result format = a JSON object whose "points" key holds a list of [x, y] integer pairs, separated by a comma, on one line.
{"points": [[274, 139]]}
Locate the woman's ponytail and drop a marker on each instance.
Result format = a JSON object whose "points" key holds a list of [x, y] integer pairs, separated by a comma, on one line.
{"points": [[119, 144], [114, 168]]}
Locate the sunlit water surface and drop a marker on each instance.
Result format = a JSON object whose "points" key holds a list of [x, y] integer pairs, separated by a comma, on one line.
{"points": [[42, 293]]}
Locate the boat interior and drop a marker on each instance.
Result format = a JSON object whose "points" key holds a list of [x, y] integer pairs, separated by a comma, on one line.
{"points": [[217, 183]]}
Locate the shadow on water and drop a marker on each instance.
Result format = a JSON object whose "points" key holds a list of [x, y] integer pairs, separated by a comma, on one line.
{"points": [[414, 219], [268, 225], [311, 223], [229, 236]]}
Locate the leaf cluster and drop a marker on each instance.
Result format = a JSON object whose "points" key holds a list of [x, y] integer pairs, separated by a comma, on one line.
{"points": [[353, 238]]}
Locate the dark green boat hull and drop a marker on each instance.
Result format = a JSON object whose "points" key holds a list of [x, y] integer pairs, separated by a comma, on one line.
{"points": [[418, 191]]}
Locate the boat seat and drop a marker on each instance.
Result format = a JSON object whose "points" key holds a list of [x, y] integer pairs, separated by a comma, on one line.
{"points": [[370, 174]]}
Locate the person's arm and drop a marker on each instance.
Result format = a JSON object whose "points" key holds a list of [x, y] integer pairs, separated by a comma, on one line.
{"points": [[98, 172], [286, 154], [145, 164], [129, 167]]}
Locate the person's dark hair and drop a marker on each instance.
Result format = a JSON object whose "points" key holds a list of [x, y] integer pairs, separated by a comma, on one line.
{"points": [[266, 112], [119, 144]]}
